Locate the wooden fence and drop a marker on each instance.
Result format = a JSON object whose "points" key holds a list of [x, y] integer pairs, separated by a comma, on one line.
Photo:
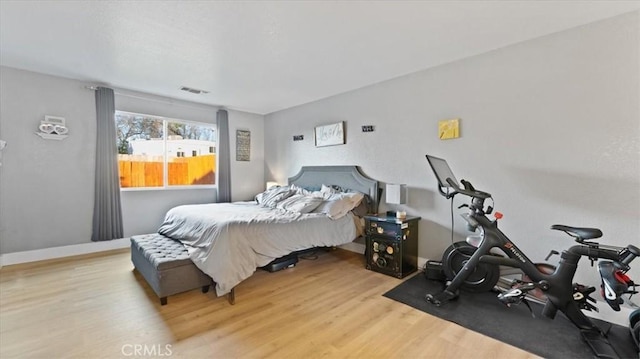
{"points": [[146, 171]]}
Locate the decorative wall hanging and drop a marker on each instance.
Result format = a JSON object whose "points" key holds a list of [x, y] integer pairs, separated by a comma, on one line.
{"points": [[243, 145], [448, 129], [329, 135], [53, 128]]}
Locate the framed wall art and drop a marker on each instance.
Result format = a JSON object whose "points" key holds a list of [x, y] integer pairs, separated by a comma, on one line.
{"points": [[243, 145], [449, 129], [330, 135]]}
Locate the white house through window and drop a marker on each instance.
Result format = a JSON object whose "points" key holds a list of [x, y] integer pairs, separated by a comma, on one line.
{"points": [[157, 152]]}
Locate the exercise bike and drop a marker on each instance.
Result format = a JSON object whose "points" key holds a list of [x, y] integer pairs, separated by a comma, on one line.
{"points": [[479, 270]]}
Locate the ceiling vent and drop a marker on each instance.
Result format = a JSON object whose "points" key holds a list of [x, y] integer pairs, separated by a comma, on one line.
{"points": [[192, 90]]}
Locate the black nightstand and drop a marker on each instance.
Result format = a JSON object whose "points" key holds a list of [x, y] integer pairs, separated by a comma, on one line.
{"points": [[391, 245]]}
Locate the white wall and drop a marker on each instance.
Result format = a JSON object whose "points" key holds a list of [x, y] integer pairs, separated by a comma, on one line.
{"points": [[46, 186], [247, 176], [551, 127]]}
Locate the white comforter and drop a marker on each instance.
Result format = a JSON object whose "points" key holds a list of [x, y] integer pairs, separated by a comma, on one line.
{"points": [[228, 241]]}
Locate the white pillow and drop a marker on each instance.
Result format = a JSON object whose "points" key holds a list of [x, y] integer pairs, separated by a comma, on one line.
{"points": [[339, 204], [322, 195], [337, 208]]}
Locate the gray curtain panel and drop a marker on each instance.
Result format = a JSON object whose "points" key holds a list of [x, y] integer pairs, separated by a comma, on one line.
{"points": [[224, 157], [107, 211]]}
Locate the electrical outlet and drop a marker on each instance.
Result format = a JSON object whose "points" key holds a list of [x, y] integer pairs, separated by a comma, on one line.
{"points": [[298, 137], [367, 128]]}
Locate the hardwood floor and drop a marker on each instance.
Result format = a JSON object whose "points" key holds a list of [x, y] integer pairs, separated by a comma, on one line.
{"points": [[97, 306]]}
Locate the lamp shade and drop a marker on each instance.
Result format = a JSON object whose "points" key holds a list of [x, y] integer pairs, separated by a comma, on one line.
{"points": [[396, 193]]}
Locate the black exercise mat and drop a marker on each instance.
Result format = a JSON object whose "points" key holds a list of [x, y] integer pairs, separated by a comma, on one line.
{"points": [[483, 313]]}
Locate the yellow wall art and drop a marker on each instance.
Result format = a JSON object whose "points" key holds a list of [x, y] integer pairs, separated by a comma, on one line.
{"points": [[448, 129]]}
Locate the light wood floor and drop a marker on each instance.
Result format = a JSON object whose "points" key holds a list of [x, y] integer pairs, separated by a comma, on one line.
{"points": [[97, 306]]}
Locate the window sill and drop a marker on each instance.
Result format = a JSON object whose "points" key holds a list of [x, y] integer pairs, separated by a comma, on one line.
{"points": [[171, 188]]}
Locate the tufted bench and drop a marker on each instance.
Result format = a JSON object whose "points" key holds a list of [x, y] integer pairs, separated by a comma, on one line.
{"points": [[165, 265]]}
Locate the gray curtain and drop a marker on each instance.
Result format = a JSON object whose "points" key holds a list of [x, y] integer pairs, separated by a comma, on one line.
{"points": [[224, 157], [107, 212]]}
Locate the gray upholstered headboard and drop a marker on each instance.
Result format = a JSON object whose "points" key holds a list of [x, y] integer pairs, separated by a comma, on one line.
{"points": [[347, 177]]}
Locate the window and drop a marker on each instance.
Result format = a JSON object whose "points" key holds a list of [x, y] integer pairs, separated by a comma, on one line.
{"points": [[156, 152]]}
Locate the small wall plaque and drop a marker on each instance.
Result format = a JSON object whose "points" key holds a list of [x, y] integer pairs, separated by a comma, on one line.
{"points": [[298, 137]]}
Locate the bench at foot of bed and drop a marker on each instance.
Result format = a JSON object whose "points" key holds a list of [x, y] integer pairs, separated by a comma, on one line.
{"points": [[165, 265]]}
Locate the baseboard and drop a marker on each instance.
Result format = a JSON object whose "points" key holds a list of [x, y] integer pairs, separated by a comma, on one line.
{"points": [[359, 248], [354, 247], [63, 251], [422, 262]]}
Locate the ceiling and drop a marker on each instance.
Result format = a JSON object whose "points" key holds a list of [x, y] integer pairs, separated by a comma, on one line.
{"points": [[265, 56]]}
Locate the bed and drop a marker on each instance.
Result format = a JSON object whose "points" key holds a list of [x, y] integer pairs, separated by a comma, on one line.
{"points": [[229, 241]]}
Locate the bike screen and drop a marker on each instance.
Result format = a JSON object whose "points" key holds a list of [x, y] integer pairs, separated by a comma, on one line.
{"points": [[442, 171]]}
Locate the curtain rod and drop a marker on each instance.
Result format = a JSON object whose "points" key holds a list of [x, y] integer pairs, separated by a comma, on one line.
{"points": [[165, 100]]}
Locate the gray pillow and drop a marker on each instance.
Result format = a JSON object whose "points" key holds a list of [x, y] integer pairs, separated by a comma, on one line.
{"points": [[362, 209]]}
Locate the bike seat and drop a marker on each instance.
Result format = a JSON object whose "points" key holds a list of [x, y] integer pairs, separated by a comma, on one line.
{"points": [[580, 233]]}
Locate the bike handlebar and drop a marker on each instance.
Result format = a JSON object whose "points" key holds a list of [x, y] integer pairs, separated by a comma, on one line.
{"points": [[468, 190], [629, 253], [621, 256]]}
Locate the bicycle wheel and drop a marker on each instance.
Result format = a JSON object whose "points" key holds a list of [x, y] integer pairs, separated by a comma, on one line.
{"points": [[484, 276]]}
